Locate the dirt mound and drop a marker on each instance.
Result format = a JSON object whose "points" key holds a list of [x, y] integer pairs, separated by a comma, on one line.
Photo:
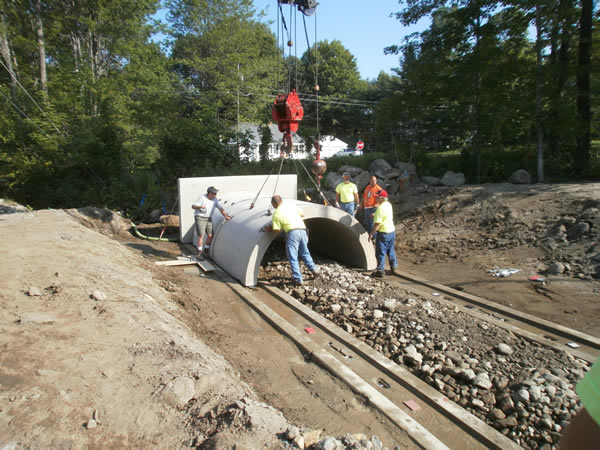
{"points": [[93, 355]]}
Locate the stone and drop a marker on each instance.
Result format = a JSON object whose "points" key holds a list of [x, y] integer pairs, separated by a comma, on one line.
{"points": [[330, 443], [335, 308], [509, 422], [454, 356], [520, 177], [504, 349], [298, 442], [453, 179], [522, 396], [497, 414], [390, 304], [535, 393], [377, 314], [379, 166], [37, 318], [179, 391], [91, 424], [292, 432], [578, 231], [34, 291], [430, 181], [412, 356], [556, 268], [482, 381], [98, 296]]}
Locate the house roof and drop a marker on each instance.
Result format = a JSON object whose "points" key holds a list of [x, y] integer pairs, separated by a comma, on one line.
{"points": [[277, 136]]}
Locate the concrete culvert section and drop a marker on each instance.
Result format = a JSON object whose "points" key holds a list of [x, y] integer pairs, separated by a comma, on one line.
{"points": [[239, 245]]}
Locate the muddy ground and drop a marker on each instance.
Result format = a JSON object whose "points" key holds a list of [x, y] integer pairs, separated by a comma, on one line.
{"points": [[101, 347]]}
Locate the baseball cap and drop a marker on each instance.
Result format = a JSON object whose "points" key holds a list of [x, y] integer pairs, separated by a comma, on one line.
{"points": [[212, 190], [346, 174], [382, 193]]}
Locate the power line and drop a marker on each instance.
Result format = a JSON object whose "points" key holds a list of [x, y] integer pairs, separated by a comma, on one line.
{"points": [[14, 77]]}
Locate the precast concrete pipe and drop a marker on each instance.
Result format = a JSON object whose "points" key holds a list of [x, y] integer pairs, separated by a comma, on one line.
{"points": [[238, 246]]}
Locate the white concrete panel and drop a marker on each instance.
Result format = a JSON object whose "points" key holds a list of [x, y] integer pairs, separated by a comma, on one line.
{"points": [[192, 188]]}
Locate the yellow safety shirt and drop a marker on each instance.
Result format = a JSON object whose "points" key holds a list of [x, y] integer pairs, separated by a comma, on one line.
{"points": [[385, 216], [346, 191], [287, 217]]}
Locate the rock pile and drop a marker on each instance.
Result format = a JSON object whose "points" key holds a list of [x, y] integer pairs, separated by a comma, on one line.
{"points": [[521, 388]]}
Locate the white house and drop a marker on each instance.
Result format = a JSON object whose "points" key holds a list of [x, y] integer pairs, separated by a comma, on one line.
{"points": [[330, 145], [252, 153]]}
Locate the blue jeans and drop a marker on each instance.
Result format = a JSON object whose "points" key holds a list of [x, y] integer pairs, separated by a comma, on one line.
{"points": [[369, 219], [296, 246], [348, 207], [384, 245]]}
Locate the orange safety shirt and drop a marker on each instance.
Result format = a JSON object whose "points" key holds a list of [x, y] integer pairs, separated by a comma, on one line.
{"points": [[369, 199]]}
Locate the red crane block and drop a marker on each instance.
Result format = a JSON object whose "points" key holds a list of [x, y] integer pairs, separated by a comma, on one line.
{"points": [[287, 111]]}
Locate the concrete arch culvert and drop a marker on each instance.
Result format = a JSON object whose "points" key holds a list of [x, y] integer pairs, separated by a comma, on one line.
{"points": [[238, 245]]}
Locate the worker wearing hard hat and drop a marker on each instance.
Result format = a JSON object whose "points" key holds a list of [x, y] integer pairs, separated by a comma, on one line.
{"points": [[383, 225]]}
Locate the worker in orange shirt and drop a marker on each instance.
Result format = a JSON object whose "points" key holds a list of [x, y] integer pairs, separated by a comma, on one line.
{"points": [[368, 201]]}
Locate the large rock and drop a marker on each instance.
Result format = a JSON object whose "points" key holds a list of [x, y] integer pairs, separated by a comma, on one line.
{"points": [[453, 179], [352, 170], [361, 181], [379, 167], [431, 181], [520, 177], [409, 168], [578, 231], [332, 180]]}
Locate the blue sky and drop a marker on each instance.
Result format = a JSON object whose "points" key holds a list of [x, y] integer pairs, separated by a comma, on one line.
{"points": [[363, 27]]}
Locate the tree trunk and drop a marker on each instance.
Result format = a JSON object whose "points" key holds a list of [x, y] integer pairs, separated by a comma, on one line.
{"points": [[39, 29], [539, 131], [6, 54], [561, 47], [582, 156]]}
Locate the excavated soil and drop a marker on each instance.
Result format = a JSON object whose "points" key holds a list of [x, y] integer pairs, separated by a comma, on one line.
{"points": [[101, 347]]}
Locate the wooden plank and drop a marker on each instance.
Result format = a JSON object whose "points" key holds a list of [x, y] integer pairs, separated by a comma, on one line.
{"points": [[206, 266], [184, 262]]}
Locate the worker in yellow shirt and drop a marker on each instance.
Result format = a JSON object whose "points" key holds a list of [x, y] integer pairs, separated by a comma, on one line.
{"points": [[289, 219], [346, 195], [383, 226]]}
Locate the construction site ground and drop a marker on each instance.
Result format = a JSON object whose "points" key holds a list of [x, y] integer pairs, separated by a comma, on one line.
{"points": [[103, 348]]}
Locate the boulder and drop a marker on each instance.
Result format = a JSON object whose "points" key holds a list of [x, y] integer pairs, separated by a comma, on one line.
{"points": [[431, 181], [578, 231], [520, 177], [453, 179], [352, 170], [409, 168], [332, 180], [361, 181], [378, 167]]}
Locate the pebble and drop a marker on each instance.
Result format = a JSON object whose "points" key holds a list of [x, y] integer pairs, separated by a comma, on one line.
{"points": [[504, 349], [34, 291], [91, 424], [99, 296]]}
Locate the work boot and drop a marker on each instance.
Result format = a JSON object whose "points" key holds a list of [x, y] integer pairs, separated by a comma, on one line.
{"points": [[378, 274], [316, 274], [297, 282], [393, 270], [200, 256]]}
